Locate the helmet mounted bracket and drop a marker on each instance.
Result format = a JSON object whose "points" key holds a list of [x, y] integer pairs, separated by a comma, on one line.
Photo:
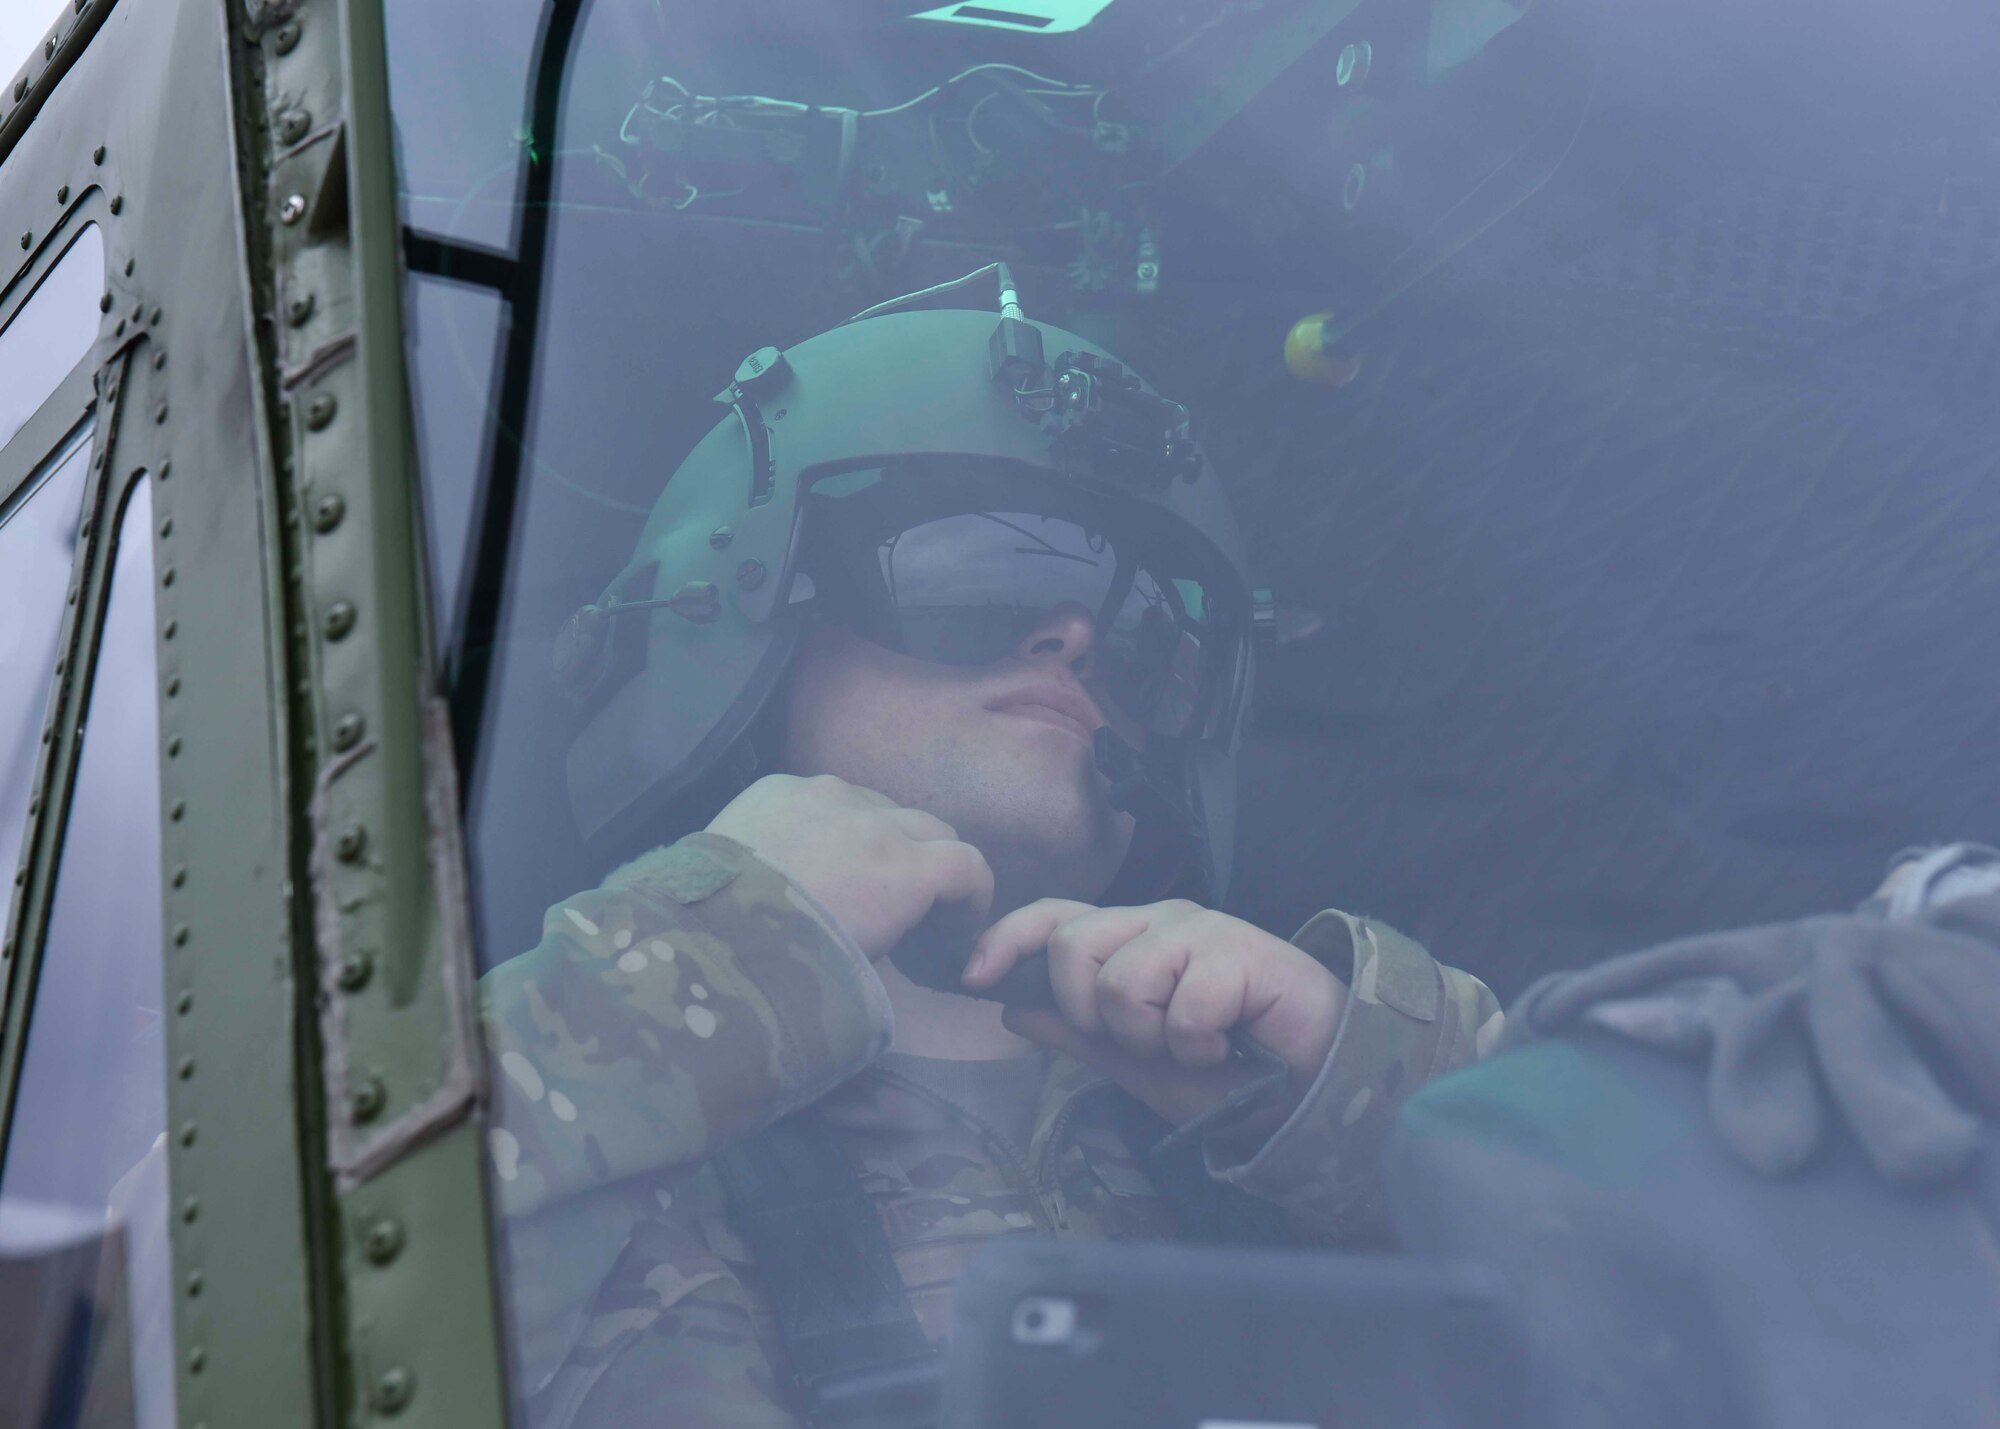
{"points": [[1102, 413], [763, 371]]}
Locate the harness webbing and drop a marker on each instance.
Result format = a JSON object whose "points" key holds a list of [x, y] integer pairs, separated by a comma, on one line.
{"points": [[856, 1354]]}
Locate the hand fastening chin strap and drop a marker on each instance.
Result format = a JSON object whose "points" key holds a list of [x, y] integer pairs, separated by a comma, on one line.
{"points": [[856, 1355], [1169, 838], [1169, 850]]}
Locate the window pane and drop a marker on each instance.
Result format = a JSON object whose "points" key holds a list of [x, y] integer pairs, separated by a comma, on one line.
{"points": [[1626, 491], [37, 549], [453, 330], [51, 334], [459, 180], [84, 1258]]}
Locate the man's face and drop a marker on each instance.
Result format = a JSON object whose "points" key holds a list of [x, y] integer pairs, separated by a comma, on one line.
{"points": [[1002, 752]]}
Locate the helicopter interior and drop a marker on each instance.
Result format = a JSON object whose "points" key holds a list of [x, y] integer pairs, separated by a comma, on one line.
{"points": [[1628, 486]]}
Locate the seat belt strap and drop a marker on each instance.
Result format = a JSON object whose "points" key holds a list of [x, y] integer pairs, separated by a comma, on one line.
{"points": [[857, 1357]]}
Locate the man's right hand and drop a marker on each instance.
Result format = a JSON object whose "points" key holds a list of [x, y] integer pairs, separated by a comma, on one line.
{"points": [[877, 867]]}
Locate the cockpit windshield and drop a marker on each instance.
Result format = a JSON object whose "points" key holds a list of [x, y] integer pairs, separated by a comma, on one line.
{"points": [[917, 486]]}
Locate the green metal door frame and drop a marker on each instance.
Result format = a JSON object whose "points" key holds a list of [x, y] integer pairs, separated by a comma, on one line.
{"points": [[326, 1141], [124, 119], [403, 1227]]}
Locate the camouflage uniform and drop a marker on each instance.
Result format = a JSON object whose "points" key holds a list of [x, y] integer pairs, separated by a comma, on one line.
{"points": [[698, 995]]}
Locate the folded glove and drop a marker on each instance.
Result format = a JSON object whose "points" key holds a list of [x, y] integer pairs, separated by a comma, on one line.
{"points": [[1888, 1019]]}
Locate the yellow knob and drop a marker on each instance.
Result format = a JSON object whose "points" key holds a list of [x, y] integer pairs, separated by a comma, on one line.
{"points": [[1309, 358]]}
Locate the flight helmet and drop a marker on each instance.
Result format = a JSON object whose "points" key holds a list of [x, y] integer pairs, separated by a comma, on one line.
{"points": [[937, 480]]}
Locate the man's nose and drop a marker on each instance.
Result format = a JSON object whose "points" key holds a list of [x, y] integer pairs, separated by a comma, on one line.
{"points": [[1066, 634]]}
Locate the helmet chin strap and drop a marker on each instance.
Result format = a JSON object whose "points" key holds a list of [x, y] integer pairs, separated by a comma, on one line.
{"points": [[1169, 843]]}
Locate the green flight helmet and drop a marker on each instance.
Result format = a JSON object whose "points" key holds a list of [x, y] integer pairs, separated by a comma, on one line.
{"points": [[924, 412]]}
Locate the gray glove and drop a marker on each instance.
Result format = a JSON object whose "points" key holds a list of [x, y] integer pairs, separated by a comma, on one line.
{"points": [[1889, 1018]]}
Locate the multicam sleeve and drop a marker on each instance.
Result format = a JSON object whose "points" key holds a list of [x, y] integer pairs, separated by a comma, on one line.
{"points": [[694, 997], [1406, 1020]]}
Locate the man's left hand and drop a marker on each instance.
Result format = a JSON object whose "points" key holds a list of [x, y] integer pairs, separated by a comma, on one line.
{"points": [[1149, 995]]}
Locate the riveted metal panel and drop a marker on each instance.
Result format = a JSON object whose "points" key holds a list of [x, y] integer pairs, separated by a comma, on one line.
{"points": [[130, 119], [417, 1337], [45, 66]]}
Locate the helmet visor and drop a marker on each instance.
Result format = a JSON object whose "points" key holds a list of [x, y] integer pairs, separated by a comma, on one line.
{"points": [[969, 588]]}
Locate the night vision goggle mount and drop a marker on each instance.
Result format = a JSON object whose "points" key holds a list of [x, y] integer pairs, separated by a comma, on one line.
{"points": [[1102, 415]]}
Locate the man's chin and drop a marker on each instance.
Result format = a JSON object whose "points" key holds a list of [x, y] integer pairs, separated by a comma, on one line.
{"points": [[1056, 859], [1045, 825]]}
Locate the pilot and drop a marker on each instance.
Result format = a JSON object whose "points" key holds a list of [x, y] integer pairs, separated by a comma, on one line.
{"points": [[924, 684]]}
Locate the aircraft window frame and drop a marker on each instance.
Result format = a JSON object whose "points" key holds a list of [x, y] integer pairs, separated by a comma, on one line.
{"points": [[141, 1314], [26, 31], [66, 418], [41, 477], [63, 420], [29, 298], [24, 927]]}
